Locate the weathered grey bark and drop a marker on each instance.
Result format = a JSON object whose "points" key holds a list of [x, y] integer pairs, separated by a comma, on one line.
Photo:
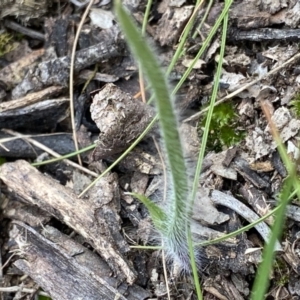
{"points": [[79, 214], [56, 71], [120, 118], [31, 99], [264, 35], [18, 148], [38, 117], [66, 269]]}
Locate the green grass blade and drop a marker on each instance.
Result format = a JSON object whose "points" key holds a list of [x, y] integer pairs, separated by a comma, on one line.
{"points": [[261, 281], [168, 122], [203, 146], [175, 226], [211, 109], [158, 216], [90, 147], [179, 49], [146, 16], [205, 44]]}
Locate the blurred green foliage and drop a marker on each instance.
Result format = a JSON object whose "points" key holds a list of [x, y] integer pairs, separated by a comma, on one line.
{"points": [[223, 128], [295, 105], [6, 43]]}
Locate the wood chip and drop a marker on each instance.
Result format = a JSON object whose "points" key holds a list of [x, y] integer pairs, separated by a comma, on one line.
{"points": [[63, 204]]}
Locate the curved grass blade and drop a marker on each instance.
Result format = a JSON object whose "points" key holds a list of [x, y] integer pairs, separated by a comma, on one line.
{"points": [[158, 216], [175, 230], [261, 281], [167, 119]]}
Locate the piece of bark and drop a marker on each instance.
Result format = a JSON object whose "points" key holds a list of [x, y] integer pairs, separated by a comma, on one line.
{"points": [[293, 212], [105, 196], [85, 75], [38, 117], [257, 200], [219, 198], [61, 143], [248, 16], [94, 263], [218, 167], [139, 183], [190, 140], [62, 203], [270, 5], [24, 10], [202, 234], [172, 23], [58, 31], [140, 160], [56, 71], [120, 118], [243, 168], [66, 269], [26, 213], [30, 98], [220, 287], [204, 210], [229, 156], [264, 35], [13, 74]]}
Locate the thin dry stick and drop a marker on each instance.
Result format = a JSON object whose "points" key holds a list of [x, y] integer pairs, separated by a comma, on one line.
{"points": [[229, 96], [8, 260], [9, 139], [165, 271], [50, 151], [3, 147], [12, 138], [142, 85], [11, 289], [273, 128], [71, 77], [164, 199]]}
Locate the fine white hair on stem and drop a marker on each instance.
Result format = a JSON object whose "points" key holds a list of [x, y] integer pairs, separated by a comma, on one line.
{"points": [[173, 220]]}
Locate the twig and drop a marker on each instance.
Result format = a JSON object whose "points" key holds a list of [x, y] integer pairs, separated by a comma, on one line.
{"points": [[265, 34], [11, 289], [24, 30], [229, 96], [220, 198], [50, 151], [72, 75]]}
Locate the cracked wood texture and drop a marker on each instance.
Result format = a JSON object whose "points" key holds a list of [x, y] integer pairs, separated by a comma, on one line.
{"points": [[79, 214], [56, 71], [66, 269]]}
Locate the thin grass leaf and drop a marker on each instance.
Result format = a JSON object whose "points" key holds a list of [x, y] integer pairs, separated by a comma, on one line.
{"points": [[185, 75], [203, 146], [157, 214], [167, 119], [204, 46], [174, 233], [261, 281]]}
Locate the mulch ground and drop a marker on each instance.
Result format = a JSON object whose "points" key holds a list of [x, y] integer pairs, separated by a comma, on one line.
{"points": [[57, 244]]}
